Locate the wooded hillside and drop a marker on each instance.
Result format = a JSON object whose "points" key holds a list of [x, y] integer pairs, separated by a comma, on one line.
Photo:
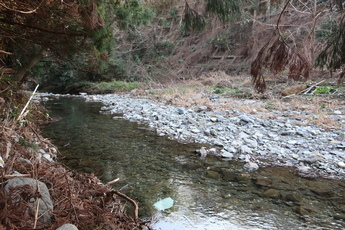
{"points": [[84, 41]]}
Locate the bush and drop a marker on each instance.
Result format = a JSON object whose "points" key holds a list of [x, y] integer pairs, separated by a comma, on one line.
{"points": [[109, 87]]}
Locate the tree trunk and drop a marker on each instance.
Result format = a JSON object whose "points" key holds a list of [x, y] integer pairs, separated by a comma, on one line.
{"points": [[20, 75]]}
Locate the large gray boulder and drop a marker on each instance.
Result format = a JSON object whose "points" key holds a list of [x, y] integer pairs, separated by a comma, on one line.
{"points": [[37, 190]]}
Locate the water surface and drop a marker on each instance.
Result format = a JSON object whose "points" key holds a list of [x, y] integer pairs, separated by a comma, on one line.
{"points": [[208, 193]]}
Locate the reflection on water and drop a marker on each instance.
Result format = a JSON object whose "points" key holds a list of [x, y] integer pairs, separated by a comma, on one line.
{"points": [[208, 194]]}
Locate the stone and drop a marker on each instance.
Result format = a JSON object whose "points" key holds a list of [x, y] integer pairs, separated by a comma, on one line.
{"points": [[288, 132], [270, 193], [293, 140], [244, 178], [293, 197], [212, 174], [195, 131], [220, 118], [213, 119], [339, 217], [229, 175], [67, 227], [42, 151], [252, 143], [212, 151], [230, 149], [226, 154], [304, 211], [202, 108], [23, 161], [244, 118], [319, 188], [311, 159], [45, 203], [336, 118], [263, 181], [341, 164], [203, 152], [48, 157], [181, 110], [251, 166], [245, 149], [213, 132]]}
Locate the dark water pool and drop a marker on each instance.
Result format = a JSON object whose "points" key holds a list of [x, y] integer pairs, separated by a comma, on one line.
{"points": [[208, 194]]}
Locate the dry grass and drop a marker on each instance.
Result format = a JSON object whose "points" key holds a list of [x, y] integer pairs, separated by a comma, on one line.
{"points": [[236, 93]]}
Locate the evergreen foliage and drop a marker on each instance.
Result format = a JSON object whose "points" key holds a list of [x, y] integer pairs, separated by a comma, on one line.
{"points": [[131, 14], [193, 20], [333, 55], [224, 9]]}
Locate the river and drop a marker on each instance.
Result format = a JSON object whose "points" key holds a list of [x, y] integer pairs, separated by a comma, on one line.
{"points": [[208, 193]]}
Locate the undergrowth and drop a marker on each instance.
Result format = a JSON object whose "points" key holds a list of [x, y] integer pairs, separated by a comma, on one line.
{"points": [[109, 87]]}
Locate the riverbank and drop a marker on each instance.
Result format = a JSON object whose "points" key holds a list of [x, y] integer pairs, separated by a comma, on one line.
{"points": [[40, 193], [281, 139]]}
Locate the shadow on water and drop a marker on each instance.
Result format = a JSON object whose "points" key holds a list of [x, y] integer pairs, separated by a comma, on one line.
{"points": [[208, 194]]}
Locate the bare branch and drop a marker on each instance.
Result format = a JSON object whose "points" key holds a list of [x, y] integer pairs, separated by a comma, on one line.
{"points": [[23, 12], [4, 52]]}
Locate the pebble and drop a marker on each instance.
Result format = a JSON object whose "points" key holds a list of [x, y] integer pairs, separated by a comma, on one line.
{"points": [[226, 154], [341, 164], [251, 166], [240, 134]]}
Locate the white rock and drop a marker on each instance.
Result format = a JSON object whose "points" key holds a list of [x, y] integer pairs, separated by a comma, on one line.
{"points": [[195, 131], [245, 149], [341, 164], [212, 151], [226, 154], [251, 166], [295, 156], [48, 157]]}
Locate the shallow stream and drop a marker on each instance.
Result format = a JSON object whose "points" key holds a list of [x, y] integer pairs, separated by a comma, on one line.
{"points": [[208, 193]]}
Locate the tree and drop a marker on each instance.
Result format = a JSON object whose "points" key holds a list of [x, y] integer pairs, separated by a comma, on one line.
{"points": [[333, 55], [225, 10], [32, 29], [295, 51]]}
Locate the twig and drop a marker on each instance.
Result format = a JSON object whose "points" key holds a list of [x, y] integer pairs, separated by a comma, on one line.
{"points": [[310, 88], [21, 114], [5, 52], [112, 182], [16, 175], [36, 213], [70, 198], [136, 208]]}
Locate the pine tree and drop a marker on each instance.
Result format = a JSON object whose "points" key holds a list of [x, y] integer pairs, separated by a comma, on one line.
{"points": [[64, 30]]}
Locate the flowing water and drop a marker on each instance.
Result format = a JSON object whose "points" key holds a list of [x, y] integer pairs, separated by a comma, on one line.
{"points": [[208, 193]]}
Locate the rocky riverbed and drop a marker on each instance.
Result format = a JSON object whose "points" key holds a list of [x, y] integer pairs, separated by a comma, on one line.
{"points": [[235, 135]]}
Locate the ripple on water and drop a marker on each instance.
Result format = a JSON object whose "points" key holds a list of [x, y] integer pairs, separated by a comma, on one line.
{"points": [[151, 168]]}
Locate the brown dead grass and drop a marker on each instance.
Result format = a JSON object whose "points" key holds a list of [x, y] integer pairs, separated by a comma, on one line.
{"points": [[197, 92]]}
